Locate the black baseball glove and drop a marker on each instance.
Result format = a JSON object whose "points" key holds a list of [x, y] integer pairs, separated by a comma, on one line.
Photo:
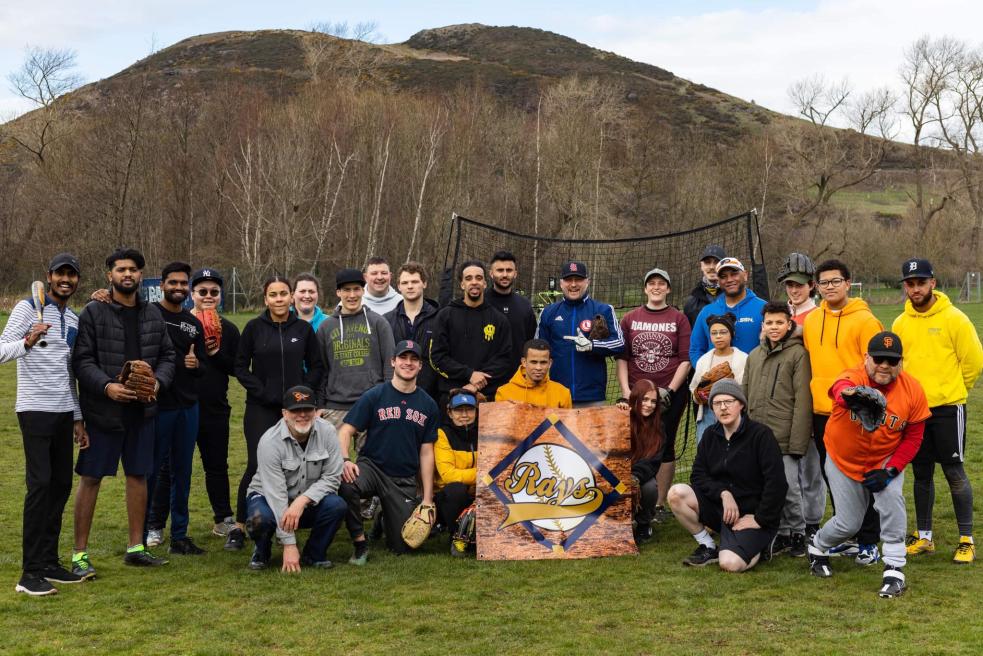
{"points": [[868, 404]]}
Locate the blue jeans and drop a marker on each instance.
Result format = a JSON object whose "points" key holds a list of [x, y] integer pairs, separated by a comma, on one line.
{"points": [[170, 484], [323, 520], [706, 421]]}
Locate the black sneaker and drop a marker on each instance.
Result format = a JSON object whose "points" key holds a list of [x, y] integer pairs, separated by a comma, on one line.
{"points": [[143, 558], [361, 554], [317, 564], [258, 561], [797, 548], [661, 515], [893, 583], [819, 566], [769, 551], [185, 547], [703, 555], [811, 530], [58, 574], [236, 539], [35, 586], [781, 544]]}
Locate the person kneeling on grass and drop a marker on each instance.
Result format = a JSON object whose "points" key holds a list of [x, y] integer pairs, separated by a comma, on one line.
{"points": [[298, 470], [456, 455], [738, 487]]}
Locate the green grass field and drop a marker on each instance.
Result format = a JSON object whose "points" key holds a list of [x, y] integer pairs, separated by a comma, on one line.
{"points": [[429, 603]]}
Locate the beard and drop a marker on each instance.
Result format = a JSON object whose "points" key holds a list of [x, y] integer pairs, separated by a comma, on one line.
{"points": [[125, 291], [55, 293], [176, 297]]}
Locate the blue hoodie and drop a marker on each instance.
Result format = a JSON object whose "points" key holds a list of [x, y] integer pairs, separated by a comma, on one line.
{"points": [[747, 331]]}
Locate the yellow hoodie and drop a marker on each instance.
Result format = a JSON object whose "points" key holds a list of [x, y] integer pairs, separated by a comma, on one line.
{"points": [[836, 341], [941, 350], [546, 395]]}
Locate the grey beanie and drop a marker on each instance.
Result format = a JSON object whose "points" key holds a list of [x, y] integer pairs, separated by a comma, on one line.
{"points": [[728, 386]]}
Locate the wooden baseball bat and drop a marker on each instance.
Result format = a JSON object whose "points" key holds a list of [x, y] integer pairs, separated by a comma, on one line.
{"points": [[37, 295]]}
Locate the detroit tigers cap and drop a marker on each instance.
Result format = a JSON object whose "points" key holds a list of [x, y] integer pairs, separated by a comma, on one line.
{"points": [[201, 275], [730, 263], [408, 346], [917, 268], [299, 397], [715, 251], [884, 344], [65, 259], [462, 399], [574, 269], [348, 276], [657, 272]]}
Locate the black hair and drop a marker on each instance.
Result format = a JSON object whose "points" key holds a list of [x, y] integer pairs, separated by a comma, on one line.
{"points": [[536, 345], [309, 277], [471, 263], [728, 320], [833, 265], [126, 254], [276, 278], [503, 256], [776, 307], [175, 267]]}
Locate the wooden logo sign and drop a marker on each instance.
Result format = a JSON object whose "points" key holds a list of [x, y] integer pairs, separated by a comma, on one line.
{"points": [[552, 483]]}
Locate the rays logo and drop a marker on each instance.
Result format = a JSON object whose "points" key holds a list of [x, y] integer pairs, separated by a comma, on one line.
{"points": [[554, 490]]}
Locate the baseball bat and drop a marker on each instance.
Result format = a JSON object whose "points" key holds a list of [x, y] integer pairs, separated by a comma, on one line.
{"points": [[37, 295]]}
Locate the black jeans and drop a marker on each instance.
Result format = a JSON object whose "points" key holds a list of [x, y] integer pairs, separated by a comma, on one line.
{"points": [[397, 496], [870, 529], [213, 447], [48, 454], [451, 502], [257, 420]]}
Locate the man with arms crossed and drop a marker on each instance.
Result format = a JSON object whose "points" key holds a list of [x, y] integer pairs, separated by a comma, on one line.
{"points": [[517, 309]]}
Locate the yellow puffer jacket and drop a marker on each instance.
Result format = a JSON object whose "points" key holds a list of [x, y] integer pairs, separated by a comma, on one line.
{"points": [[456, 455], [546, 395]]}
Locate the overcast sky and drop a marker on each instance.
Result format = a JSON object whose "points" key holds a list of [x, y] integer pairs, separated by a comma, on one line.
{"points": [[753, 50]]}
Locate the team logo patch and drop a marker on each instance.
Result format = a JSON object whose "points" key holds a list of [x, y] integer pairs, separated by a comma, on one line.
{"points": [[586, 325], [888, 342], [489, 332], [301, 396]]}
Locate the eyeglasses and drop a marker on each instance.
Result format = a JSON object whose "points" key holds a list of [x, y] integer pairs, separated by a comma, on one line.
{"points": [[832, 282], [881, 359], [208, 292], [724, 403], [719, 333]]}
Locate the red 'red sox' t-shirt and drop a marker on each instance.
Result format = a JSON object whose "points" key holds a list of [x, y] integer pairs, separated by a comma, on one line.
{"points": [[656, 341]]}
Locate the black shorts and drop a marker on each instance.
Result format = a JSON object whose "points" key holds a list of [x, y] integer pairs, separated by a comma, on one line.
{"points": [[747, 543], [135, 445], [945, 436]]}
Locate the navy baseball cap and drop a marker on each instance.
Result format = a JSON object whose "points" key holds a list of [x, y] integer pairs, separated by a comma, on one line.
{"points": [[574, 269], [348, 276], [462, 399], [201, 275], [884, 344], [916, 268], [408, 346], [716, 251], [65, 259], [299, 397]]}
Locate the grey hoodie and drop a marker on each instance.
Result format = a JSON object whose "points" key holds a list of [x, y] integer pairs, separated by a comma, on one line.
{"points": [[382, 304], [357, 351]]}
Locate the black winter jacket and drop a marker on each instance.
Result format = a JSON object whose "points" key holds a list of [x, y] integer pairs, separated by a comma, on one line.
{"points": [[273, 357], [470, 339], [749, 465], [100, 351], [698, 299], [422, 332], [522, 319]]}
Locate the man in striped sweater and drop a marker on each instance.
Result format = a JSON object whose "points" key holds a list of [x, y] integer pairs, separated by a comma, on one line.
{"points": [[50, 418]]}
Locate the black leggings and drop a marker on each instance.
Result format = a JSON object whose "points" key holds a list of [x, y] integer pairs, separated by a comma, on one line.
{"points": [[256, 421], [959, 487]]}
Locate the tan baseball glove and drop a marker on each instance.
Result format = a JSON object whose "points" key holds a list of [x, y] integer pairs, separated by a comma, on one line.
{"points": [[416, 529], [138, 376]]}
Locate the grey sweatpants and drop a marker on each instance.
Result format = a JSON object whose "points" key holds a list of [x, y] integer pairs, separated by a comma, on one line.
{"points": [[792, 520], [812, 485], [850, 499]]}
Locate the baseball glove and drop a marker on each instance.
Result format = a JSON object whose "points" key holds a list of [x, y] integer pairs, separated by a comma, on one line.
{"points": [[212, 325], [868, 404], [139, 377], [718, 372], [466, 525], [416, 529], [599, 328]]}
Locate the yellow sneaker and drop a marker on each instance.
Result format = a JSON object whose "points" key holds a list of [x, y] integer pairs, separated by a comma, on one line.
{"points": [[920, 546], [965, 552]]}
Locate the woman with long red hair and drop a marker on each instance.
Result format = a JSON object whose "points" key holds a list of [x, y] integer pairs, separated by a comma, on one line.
{"points": [[647, 442]]}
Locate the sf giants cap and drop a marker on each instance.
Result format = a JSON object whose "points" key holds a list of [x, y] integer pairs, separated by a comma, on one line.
{"points": [[915, 268], [574, 269], [408, 346], [462, 399], [65, 259], [299, 397], [730, 263], [201, 275], [884, 344]]}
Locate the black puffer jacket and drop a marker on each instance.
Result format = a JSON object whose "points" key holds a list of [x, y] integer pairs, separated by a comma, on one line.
{"points": [[698, 299], [100, 351], [273, 357], [422, 331]]}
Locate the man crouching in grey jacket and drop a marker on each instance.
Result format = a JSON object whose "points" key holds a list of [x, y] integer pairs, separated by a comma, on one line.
{"points": [[299, 468]]}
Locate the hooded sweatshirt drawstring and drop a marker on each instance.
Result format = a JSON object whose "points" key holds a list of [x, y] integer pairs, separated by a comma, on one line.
{"points": [[341, 322]]}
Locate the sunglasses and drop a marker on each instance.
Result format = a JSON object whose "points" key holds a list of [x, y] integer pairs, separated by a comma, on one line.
{"points": [[881, 359], [208, 292]]}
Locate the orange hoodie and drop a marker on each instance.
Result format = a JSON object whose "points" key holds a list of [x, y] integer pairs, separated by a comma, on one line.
{"points": [[836, 341], [546, 395]]}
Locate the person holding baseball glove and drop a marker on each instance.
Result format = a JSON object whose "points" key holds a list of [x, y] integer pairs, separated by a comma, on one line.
{"points": [[456, 457], [724, 361], [123, 357], [874, 431]]}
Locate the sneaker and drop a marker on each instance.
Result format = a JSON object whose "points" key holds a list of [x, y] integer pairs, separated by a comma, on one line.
{"points": [[915, 545], [965, 552], [35, 586], [369, 509], [661, 515], [236, 539], [811, 530], [819, 566], [361, 553], [58, 574], [317, 564], [845, 549], [797, 546], [642, 533], [143, 558], [867, 554], [769, 551], [893, 583], [222, 528], [81, 565], [258, 562], [459, 548], [703, 555], [781, 544], [185, 547], [155, 538]]}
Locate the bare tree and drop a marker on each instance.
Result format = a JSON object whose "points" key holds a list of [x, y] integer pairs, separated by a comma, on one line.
{"points": [[373, 238], [431, 144]]}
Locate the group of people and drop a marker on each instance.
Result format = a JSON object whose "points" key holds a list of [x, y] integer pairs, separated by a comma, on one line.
{"points": [[371, 409]]}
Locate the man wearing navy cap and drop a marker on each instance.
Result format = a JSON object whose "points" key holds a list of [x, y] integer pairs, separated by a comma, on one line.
{"points": [[706, 290], [400, 421], [579, 360], [945, 355]]}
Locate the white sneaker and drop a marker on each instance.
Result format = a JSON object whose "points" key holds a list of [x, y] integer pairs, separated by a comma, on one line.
{"points": [[154, 538], [223, 527]]}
